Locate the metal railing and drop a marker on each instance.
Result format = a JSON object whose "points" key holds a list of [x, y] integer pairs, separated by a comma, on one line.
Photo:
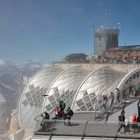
{"points": [[89, 129]]}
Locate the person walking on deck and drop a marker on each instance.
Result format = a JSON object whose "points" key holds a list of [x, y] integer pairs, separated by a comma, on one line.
{"points": [[45, 123], [105, 101], [121, 121], [68, 115], [118, 96], [138, 106], [111, 99]]}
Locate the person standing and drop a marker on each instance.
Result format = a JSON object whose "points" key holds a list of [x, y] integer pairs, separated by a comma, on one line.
{"points": [[131, 91], [57, 112], [45, 123], [62, 105], [105, 100], [138, 106], [107, 114], [138, 117], [68, 115], [111, 99], [118, 95], [121, 121]]}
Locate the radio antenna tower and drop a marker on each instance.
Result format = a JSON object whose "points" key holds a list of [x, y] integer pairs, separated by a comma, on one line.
{"points": [[107, 13]]}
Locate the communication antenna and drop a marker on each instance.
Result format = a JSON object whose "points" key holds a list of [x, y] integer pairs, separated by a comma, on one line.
{"points": [[125, 40], [93, 31], [107, 13], [119, 25], [93, 28]]}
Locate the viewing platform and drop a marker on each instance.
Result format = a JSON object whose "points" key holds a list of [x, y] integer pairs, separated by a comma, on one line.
{"points": [[83, 130]]}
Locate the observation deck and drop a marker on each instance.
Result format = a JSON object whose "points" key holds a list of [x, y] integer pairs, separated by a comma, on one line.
{"points": [[84, 130]]}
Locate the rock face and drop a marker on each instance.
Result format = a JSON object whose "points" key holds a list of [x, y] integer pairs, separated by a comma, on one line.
{"points": [[3, 114], [12, 77], [13, 122]]}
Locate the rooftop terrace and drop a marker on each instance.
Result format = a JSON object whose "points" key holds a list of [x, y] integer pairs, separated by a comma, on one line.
{"points": [[83, 127]]}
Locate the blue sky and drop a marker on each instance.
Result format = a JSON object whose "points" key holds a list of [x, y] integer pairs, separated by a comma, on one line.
{"points": [[47, 30]]}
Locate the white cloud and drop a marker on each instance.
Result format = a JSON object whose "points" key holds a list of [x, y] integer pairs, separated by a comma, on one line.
{"points": [[2, 62]]}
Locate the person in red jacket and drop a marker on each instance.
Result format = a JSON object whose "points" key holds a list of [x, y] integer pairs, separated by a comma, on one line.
{"points": [[57, 112], [134, 118], [134, 123]]}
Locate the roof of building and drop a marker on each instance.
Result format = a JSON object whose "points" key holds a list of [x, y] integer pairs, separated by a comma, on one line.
{"points": [[130, 47], [73, 55]]}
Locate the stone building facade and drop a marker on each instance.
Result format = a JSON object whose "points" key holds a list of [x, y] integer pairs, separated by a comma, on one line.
{"points": [[104, 39], [123, 54]]}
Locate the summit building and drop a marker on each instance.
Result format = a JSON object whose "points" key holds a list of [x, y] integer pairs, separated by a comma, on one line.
{"points": [[105, 39]]}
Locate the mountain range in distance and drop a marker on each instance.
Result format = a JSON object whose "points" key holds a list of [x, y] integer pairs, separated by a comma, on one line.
{"points": [[10, 79]]}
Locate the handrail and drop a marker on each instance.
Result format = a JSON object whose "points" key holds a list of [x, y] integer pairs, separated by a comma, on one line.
{"points": [[92, 135], [37, 117], [84, 131], [86, 121]]}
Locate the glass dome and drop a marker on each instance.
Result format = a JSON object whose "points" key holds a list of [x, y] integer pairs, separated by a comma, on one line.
{"points": [[64, 87], [31, 100], [100, 82]]}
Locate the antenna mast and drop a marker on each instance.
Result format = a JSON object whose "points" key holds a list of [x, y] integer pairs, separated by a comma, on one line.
{"points": [[107, 13]]}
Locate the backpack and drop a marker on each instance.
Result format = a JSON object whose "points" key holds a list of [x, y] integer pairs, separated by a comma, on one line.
{"points": [[121, 118], [71, 113], [138, 119]]}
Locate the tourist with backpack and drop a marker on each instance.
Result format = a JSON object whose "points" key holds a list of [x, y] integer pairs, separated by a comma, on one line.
{"points": [[45, 123], [122, 121], [68, 115]]}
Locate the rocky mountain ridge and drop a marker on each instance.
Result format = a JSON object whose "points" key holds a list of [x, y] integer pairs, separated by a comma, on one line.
{"points": [[12, 82]]}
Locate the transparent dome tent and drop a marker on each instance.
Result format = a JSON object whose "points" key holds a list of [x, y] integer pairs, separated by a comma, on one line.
{"points": [[99, 82], [30, 104], [79, 87]]}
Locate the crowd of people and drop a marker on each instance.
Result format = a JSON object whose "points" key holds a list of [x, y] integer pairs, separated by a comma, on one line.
{"points": [[133, 122], [109, 102], [60, 112], [120, 97], [116, 60], [117, 97], [114, 100]]}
